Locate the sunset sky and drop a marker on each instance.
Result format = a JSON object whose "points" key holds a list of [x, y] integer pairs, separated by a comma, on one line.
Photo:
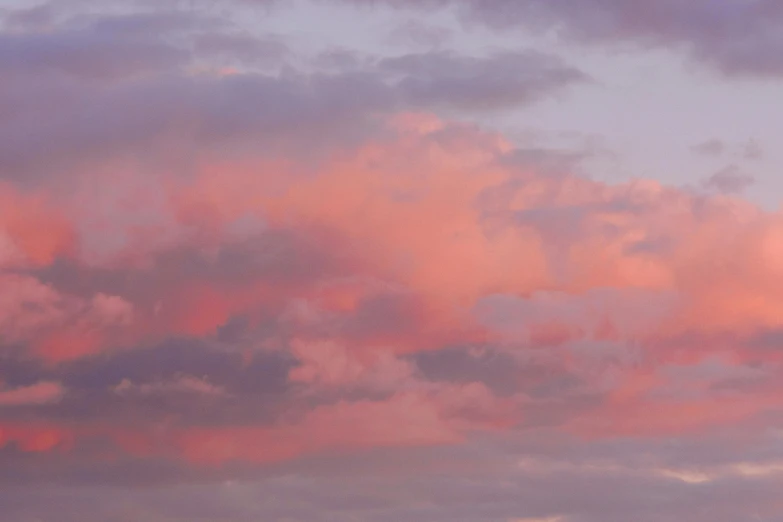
{"points": [[391, 261]]}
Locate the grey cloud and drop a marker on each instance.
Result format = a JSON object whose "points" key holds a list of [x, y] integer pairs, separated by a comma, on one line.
{"points": [[497, 369], [548, 160], [88, 123], [109, 47], [500, 80], [241, 49], [729, 180], [99, 87], [710, 148], [553, 393], [418, 33], [85, 54], [31, 18], [95, 88], [110, 387], [753, 150], [479, 483], [77, 122], [736, 37], [385, 314], [750, 150], [265, 373], [281, 258]]}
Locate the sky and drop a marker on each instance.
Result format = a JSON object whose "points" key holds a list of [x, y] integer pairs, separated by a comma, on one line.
{"points": [[391, 260]]}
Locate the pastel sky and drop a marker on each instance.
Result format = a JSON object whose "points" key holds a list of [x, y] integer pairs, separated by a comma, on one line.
{"points": [[391, 260]]}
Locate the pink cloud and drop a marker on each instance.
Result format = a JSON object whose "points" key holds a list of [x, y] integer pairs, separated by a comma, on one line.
{"points": [[39, 393], [26, 304], [112, 309], [36, 437], [221, 259], [426, 237], [328, 363], [32, 229], [411, 418]]}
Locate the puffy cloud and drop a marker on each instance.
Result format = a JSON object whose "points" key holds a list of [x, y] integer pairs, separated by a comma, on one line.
{"points": [[32, 230], [330, 364], [270, 275], [57, 324], [39, 393], [28, 304], [369, 274]]}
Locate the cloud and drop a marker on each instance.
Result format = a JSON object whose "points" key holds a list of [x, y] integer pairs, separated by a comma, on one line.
{"points": [[241, 49], [329, 364], [33, 231], [753, 150], [37, 17], [39, 393], [710, 148], [736, 37], [106, 91], [420, 34], [506, 79], [28, 305], [93, 125], [88, 124], [184, 384], [387, 281], [307, 282], [729, 180], [106, 50], [451, 483]]}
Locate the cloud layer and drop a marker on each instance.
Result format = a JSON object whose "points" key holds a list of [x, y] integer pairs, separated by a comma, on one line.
{"points": [[303, 292], [735, 37]]}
